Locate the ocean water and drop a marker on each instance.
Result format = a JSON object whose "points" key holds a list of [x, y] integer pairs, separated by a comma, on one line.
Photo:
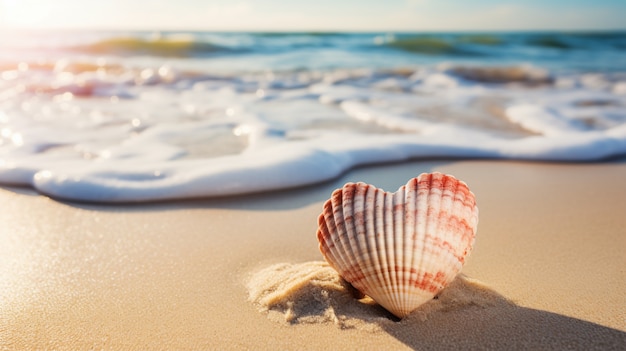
{"points": [[145, 116]]}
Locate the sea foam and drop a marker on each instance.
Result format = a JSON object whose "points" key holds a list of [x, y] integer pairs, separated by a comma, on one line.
{"points": [[129, 129]]}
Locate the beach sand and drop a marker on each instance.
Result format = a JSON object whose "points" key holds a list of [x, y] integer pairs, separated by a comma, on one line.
{"points": [[548, 269]]}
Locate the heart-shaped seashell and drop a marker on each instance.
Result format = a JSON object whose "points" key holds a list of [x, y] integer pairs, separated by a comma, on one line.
{"points": [[401, 249]]}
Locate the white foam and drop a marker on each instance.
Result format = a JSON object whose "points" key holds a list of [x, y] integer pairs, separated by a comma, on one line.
{"points": [[302, 162], [187, 138], [542, 120], [366, 113]]}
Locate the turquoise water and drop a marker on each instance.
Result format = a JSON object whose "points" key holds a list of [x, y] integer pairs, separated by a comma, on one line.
{"points": [[560, 51]]}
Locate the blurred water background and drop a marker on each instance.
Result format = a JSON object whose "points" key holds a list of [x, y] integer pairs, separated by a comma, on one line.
{"points": [[140, 116]]}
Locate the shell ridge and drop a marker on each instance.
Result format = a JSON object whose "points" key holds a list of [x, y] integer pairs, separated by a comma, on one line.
{"points": [[421, 223], [343, 210], [381, 242], [390, 240], [410, 199], [327, 242], [415, 232], [359, 216], [440, 246], [470, 218], [355, 268], [475, 213], [473, 221], [326, 235], [459, 216], [336, 217], [398, 234], [449, 227], [428, 202], [323, 236], [377, 270], [419, 228]]}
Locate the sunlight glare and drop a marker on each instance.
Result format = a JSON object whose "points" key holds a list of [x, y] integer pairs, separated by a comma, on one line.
{"points": [[37, 14]]}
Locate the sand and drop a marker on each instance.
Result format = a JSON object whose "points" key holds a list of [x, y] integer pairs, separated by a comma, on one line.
{"points": [[548, 269]]}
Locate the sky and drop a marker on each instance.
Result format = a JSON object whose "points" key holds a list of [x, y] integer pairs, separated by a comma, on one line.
{"points": [[315, 15]]}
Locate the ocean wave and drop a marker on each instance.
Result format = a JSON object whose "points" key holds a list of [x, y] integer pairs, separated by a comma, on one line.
{"points": [[551, 41], [503, 44], [452, 45], [130, 124], [179, 135], [427, 45], [180, 46], [315, 50], [481, 39], [578, 40]]}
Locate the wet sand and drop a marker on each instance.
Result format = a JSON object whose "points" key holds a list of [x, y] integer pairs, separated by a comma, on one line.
{"points": [[547, 270]]}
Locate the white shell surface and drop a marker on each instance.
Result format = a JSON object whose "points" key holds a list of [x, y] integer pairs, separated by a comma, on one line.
{"points": [[399, 248]]}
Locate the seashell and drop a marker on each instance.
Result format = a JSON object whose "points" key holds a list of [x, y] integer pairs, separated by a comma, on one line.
{"points": [[401, 249]]}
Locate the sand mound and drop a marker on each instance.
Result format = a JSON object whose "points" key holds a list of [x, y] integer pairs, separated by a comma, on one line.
{"points": [[313, 292]]}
